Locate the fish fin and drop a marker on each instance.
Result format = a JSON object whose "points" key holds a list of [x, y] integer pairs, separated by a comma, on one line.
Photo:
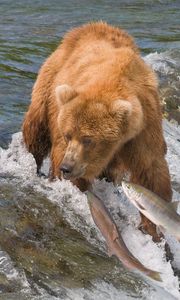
{"points": [[139, 205], [160, 228], [174, 205], [114, 233], [155, 275]]}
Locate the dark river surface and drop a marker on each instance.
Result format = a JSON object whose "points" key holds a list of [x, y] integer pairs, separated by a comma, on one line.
{"points": [[49, 246]]}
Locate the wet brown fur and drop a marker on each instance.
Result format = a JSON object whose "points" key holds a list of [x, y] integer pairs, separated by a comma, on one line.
{"points": [[101, 64]]}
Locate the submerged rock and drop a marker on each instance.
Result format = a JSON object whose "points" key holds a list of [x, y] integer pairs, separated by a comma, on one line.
{"points": [[52, 255]]}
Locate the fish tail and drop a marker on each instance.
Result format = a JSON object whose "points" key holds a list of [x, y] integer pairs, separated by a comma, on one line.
{"points": [[155, 275]]}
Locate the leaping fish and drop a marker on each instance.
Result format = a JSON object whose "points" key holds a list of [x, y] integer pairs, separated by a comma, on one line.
{"points": [[115, 243], [157, 210]]}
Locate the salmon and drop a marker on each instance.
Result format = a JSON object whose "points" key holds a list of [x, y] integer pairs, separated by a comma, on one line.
{"points": [[115, 243], [157, 210]]}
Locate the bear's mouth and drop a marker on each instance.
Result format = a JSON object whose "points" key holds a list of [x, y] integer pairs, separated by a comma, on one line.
{"points": [[73, 176]]}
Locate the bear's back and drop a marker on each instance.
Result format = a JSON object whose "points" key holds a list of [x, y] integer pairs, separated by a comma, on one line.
{"points": [[93, 44], [94, 53], [98, 31], [102, 59]]}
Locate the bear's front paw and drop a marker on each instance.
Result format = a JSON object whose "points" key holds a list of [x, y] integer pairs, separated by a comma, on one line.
{"points": [[147, 227], [115, 175], [52, 175], [41, 174]]}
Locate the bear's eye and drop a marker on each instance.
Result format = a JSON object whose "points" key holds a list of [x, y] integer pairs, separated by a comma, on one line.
{"points": [[67, 137], [86, 140]]}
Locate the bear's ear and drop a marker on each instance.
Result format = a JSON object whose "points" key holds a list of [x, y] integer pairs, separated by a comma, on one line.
{"points": [[129, 115], [121, 108], [64, 93]]}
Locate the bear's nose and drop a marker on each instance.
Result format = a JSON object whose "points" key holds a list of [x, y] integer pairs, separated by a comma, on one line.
{"points": [[66, 169]]}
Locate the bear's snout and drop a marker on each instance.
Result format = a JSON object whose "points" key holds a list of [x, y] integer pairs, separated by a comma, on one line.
{"points": [[66, 169], [73, 165], [72, 171]]}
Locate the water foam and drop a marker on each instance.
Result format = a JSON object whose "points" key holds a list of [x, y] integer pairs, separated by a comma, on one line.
{"points": [[18, 162], [161, 62]]}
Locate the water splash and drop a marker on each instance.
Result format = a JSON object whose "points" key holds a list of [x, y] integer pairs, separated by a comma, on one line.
{"points": [[19, 165]]}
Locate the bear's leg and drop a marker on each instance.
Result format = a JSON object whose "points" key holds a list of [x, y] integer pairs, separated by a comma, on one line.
{"points": [[57, 155], [115, 171], [36, 133], [157, 179]]}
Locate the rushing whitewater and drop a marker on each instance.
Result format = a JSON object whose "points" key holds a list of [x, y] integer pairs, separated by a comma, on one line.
{"points": [[18, 166]]}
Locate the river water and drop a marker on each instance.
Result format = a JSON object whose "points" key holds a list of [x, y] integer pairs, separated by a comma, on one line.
{"points": [[49, 245]]}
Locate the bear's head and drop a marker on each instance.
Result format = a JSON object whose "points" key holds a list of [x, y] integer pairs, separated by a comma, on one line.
{"points": [[93, 130]]}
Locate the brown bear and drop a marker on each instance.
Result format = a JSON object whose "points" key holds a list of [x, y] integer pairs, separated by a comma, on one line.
{"points": [[95, 108]]}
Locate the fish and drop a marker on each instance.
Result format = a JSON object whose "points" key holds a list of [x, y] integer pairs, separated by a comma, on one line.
{"points": [[115, 243], [160, 212]]}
